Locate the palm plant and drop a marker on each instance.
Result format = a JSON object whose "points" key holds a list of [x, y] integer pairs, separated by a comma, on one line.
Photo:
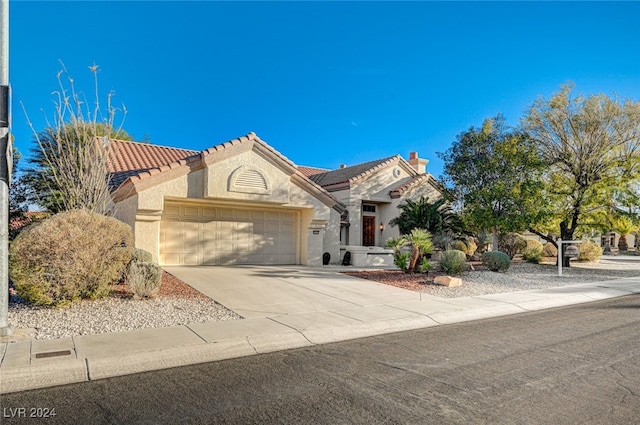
{"points": [[624, 226], [420, 242], [436, 217]]}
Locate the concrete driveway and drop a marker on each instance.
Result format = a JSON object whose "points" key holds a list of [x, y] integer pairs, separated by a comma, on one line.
{"points": [[269, 291]]}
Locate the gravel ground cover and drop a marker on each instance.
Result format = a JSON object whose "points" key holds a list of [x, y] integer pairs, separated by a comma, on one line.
{"points": [[520, 276], [177, 304]]}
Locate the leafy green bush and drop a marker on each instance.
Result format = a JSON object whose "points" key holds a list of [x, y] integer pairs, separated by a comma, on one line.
{"points": [[496, 261], [453, 261], [511, 244], [533, 252], [549, 250], [70, 256], [144, 279], [589, 251]]}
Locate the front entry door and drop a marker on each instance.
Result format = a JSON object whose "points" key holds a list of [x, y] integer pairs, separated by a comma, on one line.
{"points": [[368, 230]]}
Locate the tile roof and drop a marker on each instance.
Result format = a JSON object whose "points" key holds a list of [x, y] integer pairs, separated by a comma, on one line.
{"points": [[343, 175], [397, 191], [128, 158], [149, 155], [25, 219], [311, 171]]}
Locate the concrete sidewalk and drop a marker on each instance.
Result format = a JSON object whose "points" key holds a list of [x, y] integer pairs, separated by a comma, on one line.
{"points": [[320, 307]]}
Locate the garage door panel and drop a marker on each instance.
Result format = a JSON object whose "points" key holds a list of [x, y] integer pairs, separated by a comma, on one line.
{"points": [[192, 235]]}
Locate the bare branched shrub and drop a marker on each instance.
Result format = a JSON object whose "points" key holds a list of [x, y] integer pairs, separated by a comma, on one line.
{"points": [[73, 150]]}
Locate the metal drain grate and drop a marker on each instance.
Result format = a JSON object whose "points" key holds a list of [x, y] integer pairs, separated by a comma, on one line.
{"points": [[53, 354]]}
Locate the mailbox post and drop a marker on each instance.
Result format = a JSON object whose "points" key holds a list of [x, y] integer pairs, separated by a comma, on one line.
{"points": [[560, 242]]}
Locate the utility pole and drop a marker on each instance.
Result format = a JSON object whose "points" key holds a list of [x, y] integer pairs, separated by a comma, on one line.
{"points": [[6, 153]]}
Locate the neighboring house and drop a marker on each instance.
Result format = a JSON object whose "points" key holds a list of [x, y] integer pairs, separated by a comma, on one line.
{"points": [[20, 221], [612, 239], [371, 193], [242, 202]]}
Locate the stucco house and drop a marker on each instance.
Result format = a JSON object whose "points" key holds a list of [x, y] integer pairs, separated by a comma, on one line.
{"points": [[242, 202]]}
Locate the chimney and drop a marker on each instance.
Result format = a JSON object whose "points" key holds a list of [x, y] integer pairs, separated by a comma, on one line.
{"points": [[419, 164]]}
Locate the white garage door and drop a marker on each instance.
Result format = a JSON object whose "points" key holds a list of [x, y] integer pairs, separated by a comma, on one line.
{"points": [[212, 235]]}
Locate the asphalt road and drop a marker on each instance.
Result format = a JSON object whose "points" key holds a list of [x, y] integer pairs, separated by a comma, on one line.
{"points": [[576, 365]]}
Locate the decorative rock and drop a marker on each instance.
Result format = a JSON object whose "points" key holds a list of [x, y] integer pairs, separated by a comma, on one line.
{"points": [[449, 281]]}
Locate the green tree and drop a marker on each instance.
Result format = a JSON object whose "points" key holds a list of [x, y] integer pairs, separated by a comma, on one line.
{"points": [[436, 217], [592, 148], [494, 172], [18, 194]]}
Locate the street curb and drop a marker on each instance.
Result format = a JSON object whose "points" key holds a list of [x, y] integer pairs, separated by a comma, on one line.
{"points": [[54, 372]]}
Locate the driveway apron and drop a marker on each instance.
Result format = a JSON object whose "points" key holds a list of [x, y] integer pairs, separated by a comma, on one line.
{"points": [[269, 291]]}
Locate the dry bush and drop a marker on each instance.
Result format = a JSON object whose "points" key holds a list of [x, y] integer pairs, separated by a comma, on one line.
{"points": [[550, 250], [141, 256], [472, 246], [144, 279], [533, 252], [71, 256], [459, 245], [589, 251], [511, 244]]}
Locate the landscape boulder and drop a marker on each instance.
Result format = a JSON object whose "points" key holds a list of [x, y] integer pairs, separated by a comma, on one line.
{"points": [[449, 281]]}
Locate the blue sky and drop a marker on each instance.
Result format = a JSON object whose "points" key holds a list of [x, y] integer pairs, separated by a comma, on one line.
{"points": [[324, 83]]}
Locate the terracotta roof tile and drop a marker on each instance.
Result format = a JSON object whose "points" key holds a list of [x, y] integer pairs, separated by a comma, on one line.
{"points": [[128, 159], [311, 171], [128, 156]]}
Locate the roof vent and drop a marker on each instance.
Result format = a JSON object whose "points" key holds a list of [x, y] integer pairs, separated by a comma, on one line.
{"points": [[342, 166], [247, 179]]}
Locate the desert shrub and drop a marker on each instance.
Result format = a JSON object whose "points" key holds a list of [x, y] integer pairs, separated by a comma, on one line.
{"points": [[453, 261], [458, 245], [70, 256], [472, 246], [483, 240], [511, 244], [141, 256], [144, 279], [496, 261], [589, 251], [549, 250], [441, 241], [533, 252]]}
